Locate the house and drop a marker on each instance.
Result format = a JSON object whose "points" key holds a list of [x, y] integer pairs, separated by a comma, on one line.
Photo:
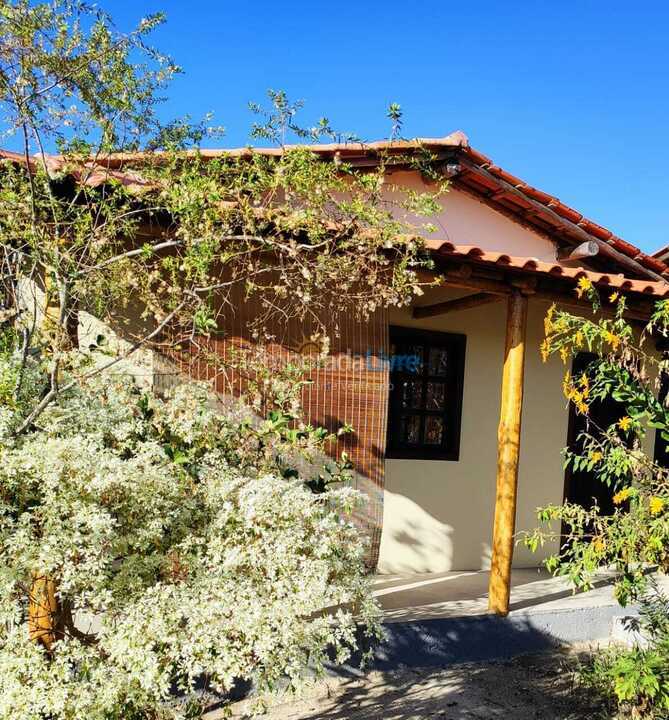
{"points": [[458, 424], [457, 456]]}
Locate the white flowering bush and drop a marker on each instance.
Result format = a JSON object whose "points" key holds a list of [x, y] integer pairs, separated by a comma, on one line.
{"points": [[177, 562]]}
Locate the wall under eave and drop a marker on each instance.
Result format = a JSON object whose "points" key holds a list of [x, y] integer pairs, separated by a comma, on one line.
{"points": [[465, 220]]}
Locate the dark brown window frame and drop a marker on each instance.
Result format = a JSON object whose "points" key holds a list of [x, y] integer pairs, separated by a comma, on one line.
{"points": [[455, 343], [661, 446]]}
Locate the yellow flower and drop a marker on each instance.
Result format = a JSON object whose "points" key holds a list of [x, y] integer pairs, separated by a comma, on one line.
{"points": [[612, 339], [599, 544], [622, 495], [582, 407], [548, 320], [596, 456], [545, 350], [584, 381], [573, 394], [624, 423], [566, 385], [564, 353], [584, 286], [613, 297], [578, 339], [656, 505]]}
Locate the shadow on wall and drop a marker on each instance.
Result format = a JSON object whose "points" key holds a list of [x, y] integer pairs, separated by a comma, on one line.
{"points": [[486, 554], [415, 540], [424, 537]]}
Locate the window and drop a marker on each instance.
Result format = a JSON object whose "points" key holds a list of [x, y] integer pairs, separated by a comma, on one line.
{"points": [[426, 379]]}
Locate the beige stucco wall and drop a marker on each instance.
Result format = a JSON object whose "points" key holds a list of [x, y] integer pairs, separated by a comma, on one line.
{"points": [[438, 515]]}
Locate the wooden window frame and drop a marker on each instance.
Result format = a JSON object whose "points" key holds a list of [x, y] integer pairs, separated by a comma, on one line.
{"points": [[456, 344]]}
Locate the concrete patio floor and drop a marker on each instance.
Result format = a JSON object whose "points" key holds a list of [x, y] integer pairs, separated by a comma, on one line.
{"points": [[441, 619], [415, 597]]}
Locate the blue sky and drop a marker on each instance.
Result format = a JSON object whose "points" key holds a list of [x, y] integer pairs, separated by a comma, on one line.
{"points": [[571, 96]]}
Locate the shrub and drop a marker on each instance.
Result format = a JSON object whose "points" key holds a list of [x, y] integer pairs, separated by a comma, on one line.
{"points": [[633, 539], [173, 558], [635, 681]]}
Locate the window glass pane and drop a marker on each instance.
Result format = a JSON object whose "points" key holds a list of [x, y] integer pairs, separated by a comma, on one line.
{"points": [[413, 358], [434, 430], [412, 394], [437, 361], [426, 370], [435, 396], [411, 429]]}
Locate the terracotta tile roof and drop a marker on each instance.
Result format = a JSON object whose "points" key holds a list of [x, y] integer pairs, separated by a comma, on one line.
{"points": [[489, 187], [492, 190], [347, 150], [91, 173], [476, 173], [9, 155], [471, 253]]}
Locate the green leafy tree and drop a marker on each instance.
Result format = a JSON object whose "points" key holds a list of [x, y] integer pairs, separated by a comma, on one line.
{"points": [[132, 212], [154, 520]]}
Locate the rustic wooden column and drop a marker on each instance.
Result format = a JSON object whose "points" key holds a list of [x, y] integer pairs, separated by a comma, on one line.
{"points": [[508, 450], [44, 617]]}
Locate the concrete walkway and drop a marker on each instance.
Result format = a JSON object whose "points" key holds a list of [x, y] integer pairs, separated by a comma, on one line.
{"points": [[528, 688], [444, 656]]}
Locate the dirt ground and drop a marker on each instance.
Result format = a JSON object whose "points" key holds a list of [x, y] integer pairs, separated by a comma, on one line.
{"points": [[530, 687]]}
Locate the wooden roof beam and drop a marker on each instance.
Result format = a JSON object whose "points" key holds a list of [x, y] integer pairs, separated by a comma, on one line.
{"points": [[457, 305], [559, 290], [477, 284], [580, 252]]}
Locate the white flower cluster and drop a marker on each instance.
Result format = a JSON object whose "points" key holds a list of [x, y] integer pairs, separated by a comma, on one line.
{"points": [[174, 565]]}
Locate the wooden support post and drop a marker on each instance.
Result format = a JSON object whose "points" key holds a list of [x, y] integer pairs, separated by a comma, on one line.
{"points": [[508, 450]]}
